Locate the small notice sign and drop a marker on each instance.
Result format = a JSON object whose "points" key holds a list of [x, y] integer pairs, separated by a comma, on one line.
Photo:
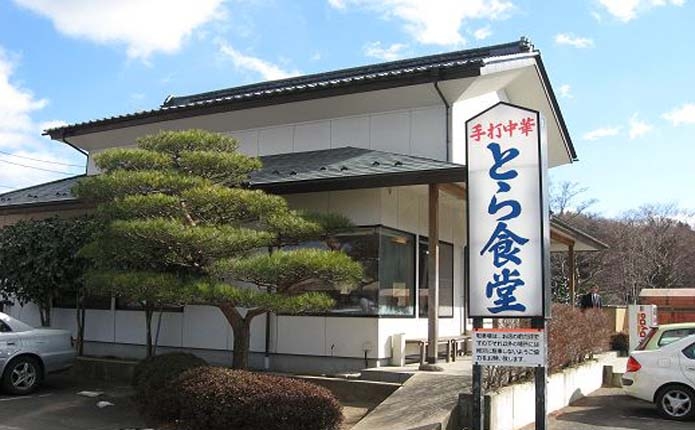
{"points": [[509, 347]]}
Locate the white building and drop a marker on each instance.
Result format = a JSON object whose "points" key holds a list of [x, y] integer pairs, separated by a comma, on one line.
{"points": [[378, 144]]}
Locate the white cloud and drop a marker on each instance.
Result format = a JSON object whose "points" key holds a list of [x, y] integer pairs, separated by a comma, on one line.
{"points": [[435, 22], [482, 33], [684, 114], [20, 135], [144, 27], [267, 70], [572, 40], [638, 127], [601, 133], [390, 53], [566, 91], [627, 10], [47, 125]]}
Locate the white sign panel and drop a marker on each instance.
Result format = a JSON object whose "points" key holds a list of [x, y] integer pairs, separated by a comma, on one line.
{"points": [[640, 320], [509, 347], [508, 219]]}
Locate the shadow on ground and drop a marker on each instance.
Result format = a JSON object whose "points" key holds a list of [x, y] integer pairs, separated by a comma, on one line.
{"points": [[610, 409]]}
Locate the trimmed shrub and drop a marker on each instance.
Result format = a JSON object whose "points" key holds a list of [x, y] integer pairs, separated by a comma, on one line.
{"points": [[620, 342], [575, 335], [215, 398], [152, 378]]}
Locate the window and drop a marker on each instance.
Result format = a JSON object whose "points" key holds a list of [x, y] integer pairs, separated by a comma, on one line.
{"points": [[388, 284], [690, 351], [670, 336], [4, 328], [446, 278]]}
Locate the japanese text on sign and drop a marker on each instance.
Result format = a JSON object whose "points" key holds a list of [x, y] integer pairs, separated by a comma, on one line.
{"points": [[509, 347], [505, 213]]}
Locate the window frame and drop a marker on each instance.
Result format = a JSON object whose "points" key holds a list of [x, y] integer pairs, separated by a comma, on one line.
{"points": [[659, 343], [425, 239], [377, 315]]}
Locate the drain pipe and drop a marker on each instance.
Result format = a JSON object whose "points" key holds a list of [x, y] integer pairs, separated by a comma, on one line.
{"points": [[447, 113]]}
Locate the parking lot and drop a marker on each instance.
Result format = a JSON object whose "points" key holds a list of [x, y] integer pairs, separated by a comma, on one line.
{"points": [[56, 406], [610, 409]]}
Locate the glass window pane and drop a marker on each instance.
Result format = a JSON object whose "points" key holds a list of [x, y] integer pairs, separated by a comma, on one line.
{"points": [[446, 279], [396, 273], [362, 245], [388, 283], [690, 352], [670, 336]]}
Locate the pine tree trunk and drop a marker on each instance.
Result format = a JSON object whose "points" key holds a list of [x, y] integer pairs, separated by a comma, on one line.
{"points": [[241, 327], [45, 314], [80, 317], [242, 341], [148, 323]]}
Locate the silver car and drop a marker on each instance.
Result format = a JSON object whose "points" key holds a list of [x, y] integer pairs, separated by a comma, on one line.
{"points": [[28, 354]]}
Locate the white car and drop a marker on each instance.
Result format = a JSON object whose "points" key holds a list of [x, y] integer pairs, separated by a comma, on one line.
{"points": [[665, 377], [28, 354]]}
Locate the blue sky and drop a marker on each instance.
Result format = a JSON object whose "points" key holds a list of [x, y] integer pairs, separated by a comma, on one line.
{"points": [[623, 70]]}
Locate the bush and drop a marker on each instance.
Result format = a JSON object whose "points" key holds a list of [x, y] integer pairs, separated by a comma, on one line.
{"points": [[152, 378], [575, 335], [214, 398], [620, 342]]}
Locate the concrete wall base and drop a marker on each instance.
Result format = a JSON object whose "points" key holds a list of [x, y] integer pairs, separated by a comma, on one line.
{"points": [[513, 407], [285, 363]]}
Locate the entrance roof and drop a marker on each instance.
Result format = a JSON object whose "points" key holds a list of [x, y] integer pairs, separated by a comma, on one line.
{"points": [[563, 235], [298, 172]]}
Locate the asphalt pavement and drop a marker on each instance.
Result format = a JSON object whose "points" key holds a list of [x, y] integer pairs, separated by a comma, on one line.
{"points": [[610, 409], [56, 406]]}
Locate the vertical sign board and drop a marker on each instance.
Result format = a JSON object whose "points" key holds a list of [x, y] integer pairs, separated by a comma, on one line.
{"points": [[508, 242], [641, 319], [508, 217]]}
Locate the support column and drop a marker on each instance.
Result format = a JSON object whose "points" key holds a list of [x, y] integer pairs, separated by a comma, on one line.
{"points": [[572, 277], [433, 275]]}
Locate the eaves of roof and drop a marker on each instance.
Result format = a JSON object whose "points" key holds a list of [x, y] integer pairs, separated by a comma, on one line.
{"points": [[576, 233], [394, 74]]}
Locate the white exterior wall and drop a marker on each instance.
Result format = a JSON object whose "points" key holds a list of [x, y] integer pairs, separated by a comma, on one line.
{"points": [[204, 327], [414, 131]]}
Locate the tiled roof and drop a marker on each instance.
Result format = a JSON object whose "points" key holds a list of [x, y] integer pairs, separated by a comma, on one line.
{"points": [[50, 192], [322, 170], [364, 78], [352, 75], [344, 164]]}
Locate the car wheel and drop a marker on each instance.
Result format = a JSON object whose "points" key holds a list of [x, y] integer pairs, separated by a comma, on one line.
{"points": [[676, 402], [22, 375]]}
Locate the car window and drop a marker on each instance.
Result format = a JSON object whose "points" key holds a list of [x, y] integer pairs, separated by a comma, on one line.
{"points": [[690, 351], [4, 328], [670, 336]]}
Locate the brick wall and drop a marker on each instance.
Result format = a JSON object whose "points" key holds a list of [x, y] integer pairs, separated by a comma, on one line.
{"points": [[672, 309]]}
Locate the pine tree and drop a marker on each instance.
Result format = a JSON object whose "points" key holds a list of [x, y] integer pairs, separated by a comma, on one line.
{"points": [[183, 227]]}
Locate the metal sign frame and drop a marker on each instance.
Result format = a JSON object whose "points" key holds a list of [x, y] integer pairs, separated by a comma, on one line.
{"points": [[543, 210]]}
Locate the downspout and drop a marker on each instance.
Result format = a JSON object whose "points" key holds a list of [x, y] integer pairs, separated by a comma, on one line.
{"points": [[83, 152], [447, 112]]}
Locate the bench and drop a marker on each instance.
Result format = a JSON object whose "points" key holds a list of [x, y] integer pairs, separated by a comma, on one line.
{"points": [[455, 346]]}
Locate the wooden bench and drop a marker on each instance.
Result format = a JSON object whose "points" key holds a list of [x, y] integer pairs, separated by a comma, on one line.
{"points": [[455, 346]]}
